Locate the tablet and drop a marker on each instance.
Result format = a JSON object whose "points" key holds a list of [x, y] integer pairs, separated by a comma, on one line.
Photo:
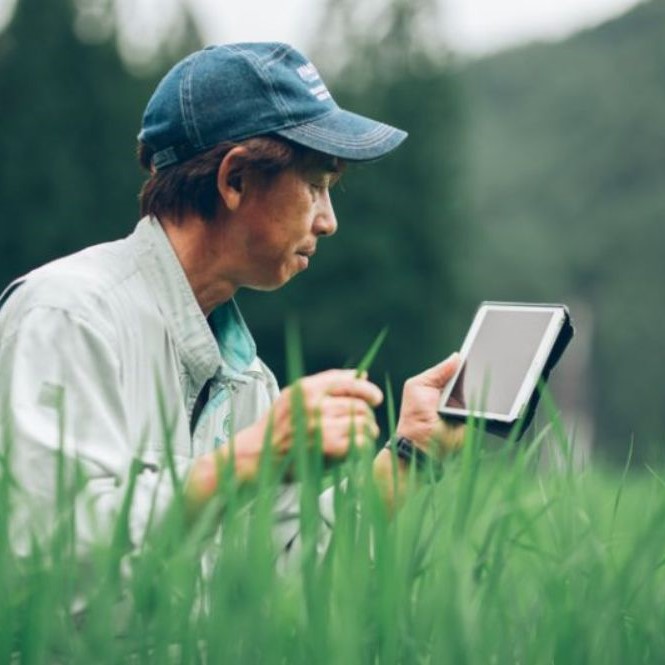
{"points": [[508, 353]]}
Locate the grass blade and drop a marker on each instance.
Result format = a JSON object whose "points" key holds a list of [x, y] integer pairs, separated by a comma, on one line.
{"points": [[372, 352]]}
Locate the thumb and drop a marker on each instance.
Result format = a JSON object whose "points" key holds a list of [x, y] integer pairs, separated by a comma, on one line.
{"points": [[439, 375]]}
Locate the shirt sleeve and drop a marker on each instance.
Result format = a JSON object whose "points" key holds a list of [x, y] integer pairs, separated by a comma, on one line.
{"points": [[61, 390]]}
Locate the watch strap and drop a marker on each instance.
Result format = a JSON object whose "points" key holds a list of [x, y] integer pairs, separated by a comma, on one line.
{"points": [[406, 450]]}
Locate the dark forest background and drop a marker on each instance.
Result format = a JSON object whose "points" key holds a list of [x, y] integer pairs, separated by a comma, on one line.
{"points": [[535, 174]]}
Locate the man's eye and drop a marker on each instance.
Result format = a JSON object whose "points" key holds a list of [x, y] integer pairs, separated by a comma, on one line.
{"points": [[319, 185], [323, 182]]}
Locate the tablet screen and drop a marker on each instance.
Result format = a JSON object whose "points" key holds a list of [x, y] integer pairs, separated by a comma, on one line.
{"points": [[498, 359]]}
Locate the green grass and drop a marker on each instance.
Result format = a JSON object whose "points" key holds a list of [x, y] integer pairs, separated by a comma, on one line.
{"points": [[499, 562]]}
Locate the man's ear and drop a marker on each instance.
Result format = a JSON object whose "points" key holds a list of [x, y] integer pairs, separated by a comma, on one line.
{"points": [[231, 177]]}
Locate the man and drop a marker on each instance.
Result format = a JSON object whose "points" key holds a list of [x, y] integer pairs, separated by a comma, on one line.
{"points": [[114, 353]]}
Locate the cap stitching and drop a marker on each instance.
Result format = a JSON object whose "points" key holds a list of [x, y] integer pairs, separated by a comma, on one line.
{"points": [[268, 79], [368, 139], [187, 105], [164, 157], [269, 62], [258, 66]]}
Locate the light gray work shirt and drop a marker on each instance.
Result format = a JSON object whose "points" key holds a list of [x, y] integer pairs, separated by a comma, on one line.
{"points": [[107, 350]]}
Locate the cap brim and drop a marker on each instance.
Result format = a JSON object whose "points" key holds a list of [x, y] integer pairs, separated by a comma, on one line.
{"points": [[346, 135]]}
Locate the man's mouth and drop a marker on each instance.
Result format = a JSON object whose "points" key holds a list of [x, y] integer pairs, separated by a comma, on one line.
{"points": [[305, 255]]}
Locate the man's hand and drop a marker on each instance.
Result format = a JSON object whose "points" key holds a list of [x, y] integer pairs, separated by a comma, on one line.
{"points": [[419, 420], [337, 403]]}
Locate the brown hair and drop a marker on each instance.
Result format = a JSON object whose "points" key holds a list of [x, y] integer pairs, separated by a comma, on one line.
{"points": [[190, 187]]}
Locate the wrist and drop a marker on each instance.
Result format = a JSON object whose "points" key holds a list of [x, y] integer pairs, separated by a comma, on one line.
{"points": [[244, 452], [391, 477], [201, 483], [418, 433], [409, 454], [406, 450]]}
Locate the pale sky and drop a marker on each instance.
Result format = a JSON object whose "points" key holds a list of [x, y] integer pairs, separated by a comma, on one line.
{"points": [[471, 26]]}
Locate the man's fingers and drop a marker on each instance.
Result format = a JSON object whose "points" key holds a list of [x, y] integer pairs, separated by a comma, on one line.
{"points": [[346, 414], [332, 406], [345, 421], [336, 403], [341, 382], [439, 375], [340, 435], [358, 388], [323, 379]]}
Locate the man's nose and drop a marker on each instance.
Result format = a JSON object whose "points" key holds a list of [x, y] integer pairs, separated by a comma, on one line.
{"points": [[325, 223]]}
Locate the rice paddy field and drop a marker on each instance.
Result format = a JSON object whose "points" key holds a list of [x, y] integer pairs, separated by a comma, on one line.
{"points": [[500, 561]]}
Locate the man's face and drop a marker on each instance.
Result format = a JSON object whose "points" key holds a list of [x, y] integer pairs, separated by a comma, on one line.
{"points": [[283, 221]]}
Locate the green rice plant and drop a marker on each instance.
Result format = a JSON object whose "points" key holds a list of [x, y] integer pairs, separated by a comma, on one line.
{"points": [[501, 561]]}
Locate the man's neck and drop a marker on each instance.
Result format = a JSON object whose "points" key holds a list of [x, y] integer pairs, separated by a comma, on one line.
{"points": [[197, 248]]}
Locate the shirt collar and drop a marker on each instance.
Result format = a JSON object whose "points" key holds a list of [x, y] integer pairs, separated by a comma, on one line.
{"points": [[229, 349]]}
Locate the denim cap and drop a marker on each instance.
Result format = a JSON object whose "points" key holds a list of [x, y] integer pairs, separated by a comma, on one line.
{"points": [[238, 91]]}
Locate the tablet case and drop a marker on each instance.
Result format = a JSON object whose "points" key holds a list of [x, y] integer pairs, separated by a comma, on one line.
{"points": [[517, 427]]}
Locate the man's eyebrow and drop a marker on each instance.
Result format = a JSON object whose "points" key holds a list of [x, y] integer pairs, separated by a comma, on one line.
{"points": [[325, 164]]}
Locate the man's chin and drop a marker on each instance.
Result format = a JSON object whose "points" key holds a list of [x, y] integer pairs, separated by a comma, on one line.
{"points": [[271, 286]]}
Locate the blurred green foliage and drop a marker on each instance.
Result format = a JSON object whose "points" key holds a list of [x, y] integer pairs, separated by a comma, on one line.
{"points": [[498, 563], [69, 113], [566, 167]]}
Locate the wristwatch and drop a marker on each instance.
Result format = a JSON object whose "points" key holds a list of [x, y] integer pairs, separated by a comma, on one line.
{"points": [[406, 450]]}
